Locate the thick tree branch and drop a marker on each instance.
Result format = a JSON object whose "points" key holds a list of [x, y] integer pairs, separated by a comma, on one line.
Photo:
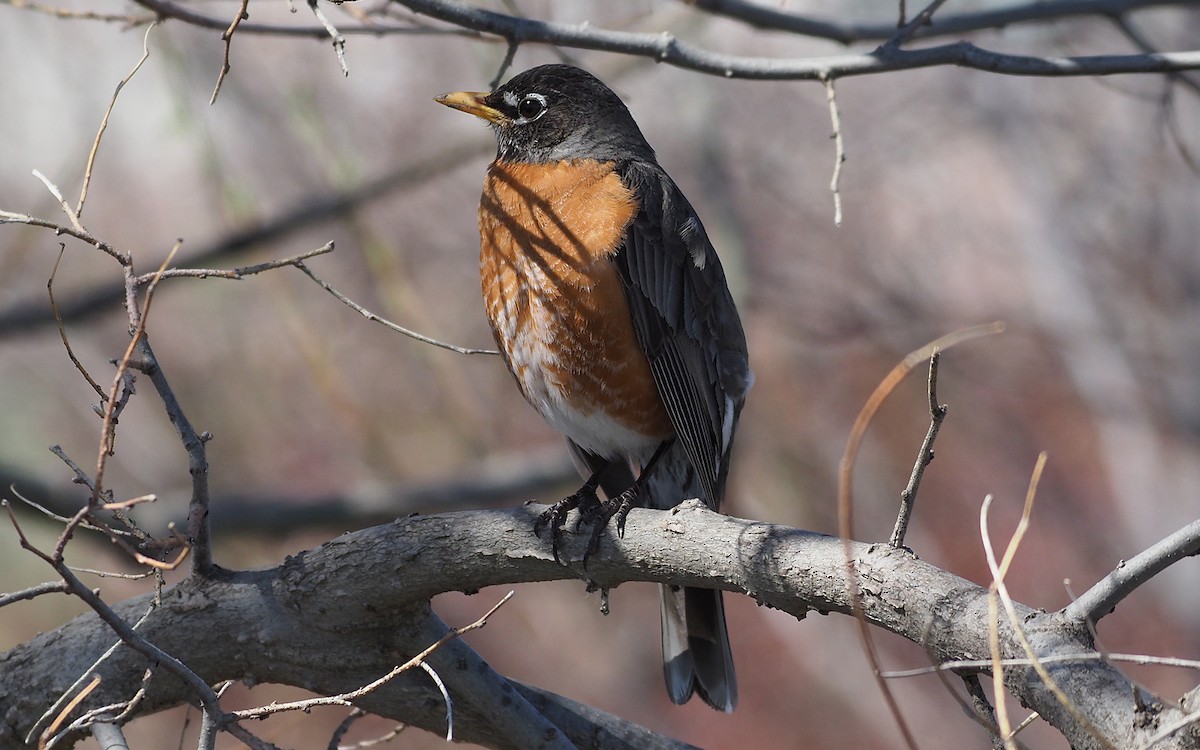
{"points": [[276, 625]]}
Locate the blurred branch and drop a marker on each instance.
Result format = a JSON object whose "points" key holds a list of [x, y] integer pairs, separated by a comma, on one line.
{"points": [[664, 47], [504, 482], [1103, 598], [348, 586], [131, 19], [25, 318]]}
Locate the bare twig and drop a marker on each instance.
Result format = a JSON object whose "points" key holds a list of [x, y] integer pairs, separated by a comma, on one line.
{"points": [[8, 217], [1103, 597], [227, 38], [839, 149], [62, 331], [908, 30], [339, 41], [383, 321], [973, 665], [908, 498], [235, 274], [385, 737], [49, 587], [91, 160], [506, 63], [340, 731], [81, 15]]}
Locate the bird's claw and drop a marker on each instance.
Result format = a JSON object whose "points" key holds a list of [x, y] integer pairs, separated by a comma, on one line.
{"points": [[554, 516], [618, 508]]}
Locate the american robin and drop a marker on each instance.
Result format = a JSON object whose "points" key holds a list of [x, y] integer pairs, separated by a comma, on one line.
{"points": [[610, 307]]}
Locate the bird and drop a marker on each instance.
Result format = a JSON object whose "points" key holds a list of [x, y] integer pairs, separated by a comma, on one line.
{"points": [[611, 309]]}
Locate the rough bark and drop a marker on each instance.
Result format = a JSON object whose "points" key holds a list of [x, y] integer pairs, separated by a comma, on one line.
{"points": [[338, 616]]}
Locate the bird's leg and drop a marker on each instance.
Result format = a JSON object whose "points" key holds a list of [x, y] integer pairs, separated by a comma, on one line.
{"points": [[585, 499], [620, 505]]}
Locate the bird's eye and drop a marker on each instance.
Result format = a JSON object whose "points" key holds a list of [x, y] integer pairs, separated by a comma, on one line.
{"points": [[531, 107]]}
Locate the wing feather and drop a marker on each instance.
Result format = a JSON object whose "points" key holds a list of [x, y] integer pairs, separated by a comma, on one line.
{"points": [[685, 321]]}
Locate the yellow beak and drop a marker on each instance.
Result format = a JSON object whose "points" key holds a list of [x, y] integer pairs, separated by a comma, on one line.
{"points": [[471, 102]]}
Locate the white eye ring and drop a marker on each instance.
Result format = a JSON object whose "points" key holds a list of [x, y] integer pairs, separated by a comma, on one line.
{"points": [[531, 107]]}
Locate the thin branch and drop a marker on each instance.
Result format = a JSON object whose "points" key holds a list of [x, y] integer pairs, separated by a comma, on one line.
{"points": [[49, 587], [62, 330], [908, 498], [664, 47], [91, 160], [339, 41], [227, 38], [8, 217], [80, 15], [839, 149], [505, 64], [908, 30], [385, 322], [340, 731], [1089, 657], [1103, 597], [235, 274]]}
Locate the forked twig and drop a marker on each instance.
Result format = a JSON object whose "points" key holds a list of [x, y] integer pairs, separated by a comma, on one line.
{"points": [[227, 38]]}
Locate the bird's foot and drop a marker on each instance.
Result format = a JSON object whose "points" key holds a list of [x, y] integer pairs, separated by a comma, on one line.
{"points": [[617, 508], [554, 517]]}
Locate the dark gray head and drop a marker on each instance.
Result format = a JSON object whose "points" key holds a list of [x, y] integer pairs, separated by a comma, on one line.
{"points": [[554, 113]]}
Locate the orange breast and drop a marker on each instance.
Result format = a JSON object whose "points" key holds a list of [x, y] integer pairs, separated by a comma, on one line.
{"points": [[557, 306]]}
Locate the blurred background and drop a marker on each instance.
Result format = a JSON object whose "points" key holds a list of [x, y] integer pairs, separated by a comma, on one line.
{"points": [[1069, 209]]}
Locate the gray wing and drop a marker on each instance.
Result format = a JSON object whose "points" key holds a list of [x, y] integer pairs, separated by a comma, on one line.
{"points": [[686, 322]]}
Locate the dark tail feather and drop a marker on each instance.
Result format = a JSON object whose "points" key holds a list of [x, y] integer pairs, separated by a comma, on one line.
{"points": [[696, 655]]}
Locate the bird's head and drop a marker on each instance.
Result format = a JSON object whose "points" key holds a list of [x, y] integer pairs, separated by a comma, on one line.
{"points": [[554, 113]]}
